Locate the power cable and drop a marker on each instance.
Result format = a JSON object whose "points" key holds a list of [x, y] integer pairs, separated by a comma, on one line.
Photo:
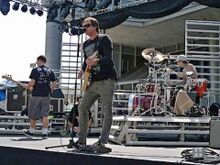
{"points": [[201, 155]]}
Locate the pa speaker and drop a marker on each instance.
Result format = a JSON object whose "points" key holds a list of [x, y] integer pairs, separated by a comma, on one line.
{"points": [[214, 141]]}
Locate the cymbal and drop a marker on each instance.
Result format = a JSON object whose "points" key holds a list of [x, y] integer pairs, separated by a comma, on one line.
{"points": [[153, 55]]}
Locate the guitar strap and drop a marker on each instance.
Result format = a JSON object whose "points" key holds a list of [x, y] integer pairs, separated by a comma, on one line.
{"points": [[96, 47]]}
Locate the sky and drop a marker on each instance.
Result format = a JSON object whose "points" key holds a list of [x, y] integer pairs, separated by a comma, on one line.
{"points": [[22, 39]]}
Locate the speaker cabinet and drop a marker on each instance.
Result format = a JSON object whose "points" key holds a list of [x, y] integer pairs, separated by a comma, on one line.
{"points": [[214, 141], [57, 104], [17, 98]]}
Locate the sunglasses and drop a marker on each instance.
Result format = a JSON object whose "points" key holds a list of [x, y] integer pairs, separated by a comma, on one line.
{"points": [[87, 25]]}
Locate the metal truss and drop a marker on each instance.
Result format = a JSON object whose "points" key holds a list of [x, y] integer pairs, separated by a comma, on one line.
{"points": [[79, 5]]}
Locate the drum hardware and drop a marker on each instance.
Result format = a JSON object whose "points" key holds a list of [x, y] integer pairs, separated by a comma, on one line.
{"points": [[139, 87], [158, 106]]}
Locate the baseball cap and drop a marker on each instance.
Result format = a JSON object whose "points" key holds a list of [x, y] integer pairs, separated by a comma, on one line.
{"points": [[181, 58]]}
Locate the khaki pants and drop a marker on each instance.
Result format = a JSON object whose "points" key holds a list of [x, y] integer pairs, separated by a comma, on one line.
{"points": [[98, 89], [183, 103]]}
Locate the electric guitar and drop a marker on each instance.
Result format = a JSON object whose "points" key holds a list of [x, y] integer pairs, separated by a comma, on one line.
{"points": [[86, 79], [9, 78]]}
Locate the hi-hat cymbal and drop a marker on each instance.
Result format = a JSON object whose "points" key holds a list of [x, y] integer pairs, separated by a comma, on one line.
{"points": [[153, 55], [167, 70]]}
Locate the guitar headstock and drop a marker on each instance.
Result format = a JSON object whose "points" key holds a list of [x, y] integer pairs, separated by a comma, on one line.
{"points": [[7, 77]]}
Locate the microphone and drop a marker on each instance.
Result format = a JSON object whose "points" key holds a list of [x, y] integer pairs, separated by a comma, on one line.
{"points": [[77, 30], [79, 27]]}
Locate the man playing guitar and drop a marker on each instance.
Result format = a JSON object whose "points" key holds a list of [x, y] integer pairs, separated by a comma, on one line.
{"points": [[42, 83], [102, 81]]}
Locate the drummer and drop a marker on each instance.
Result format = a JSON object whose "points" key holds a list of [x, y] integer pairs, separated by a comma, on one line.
{"points": [[183, 102], [189, 70]]}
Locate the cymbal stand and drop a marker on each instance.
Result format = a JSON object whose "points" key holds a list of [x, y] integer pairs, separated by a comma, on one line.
{"points": [[166, 93], [140, 87], [153, 73]]}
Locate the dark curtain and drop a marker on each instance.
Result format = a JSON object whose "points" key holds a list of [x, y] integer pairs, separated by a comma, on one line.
{"points": [[110, 20], [210, 3], [157, 9], [107, 20], [148, 10]]}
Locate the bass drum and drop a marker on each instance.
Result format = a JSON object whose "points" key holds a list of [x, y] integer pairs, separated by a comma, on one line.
{"points": [[144, 102]]}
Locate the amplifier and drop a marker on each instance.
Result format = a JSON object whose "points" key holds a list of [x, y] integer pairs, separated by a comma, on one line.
{"points": [[57, 105], [214, 141]]}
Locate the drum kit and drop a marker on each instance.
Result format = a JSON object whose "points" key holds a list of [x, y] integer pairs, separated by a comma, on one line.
{"points": [[154, 95]]}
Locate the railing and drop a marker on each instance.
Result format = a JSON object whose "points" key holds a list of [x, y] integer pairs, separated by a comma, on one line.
{"points": [[16, 124], [202, 45], [160, 131]]}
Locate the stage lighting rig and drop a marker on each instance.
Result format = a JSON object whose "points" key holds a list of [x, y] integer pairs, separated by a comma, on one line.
{"points": [[4, 6], [24, 8], [65, 10], [35, 6], [52, 13], [16, 6], [103, 4], [32, 10], [40, 12]]}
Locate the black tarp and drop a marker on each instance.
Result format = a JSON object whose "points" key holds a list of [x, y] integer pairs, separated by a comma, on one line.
{"points": [[210, 3], [157, 9], [154, 9]]}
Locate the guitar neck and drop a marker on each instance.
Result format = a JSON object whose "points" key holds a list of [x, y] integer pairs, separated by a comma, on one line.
{"points": [[19, 83]]}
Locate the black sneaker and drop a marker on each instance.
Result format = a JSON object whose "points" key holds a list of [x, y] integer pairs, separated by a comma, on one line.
{"points": [[28, 133], [78, 145], [44, 136], [100, 147]]}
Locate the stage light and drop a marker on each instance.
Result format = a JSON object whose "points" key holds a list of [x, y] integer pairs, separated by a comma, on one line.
{"points": [[32, 10], [64, 11], [15, 7], [52, 13], [4, 6], [39, 12], [24, 8]]}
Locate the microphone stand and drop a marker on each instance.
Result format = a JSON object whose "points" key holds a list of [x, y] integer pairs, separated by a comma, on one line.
{"points": [[71, 141]]}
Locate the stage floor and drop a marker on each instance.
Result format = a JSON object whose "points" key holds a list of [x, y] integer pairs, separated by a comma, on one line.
{"points": [[169, 155]]}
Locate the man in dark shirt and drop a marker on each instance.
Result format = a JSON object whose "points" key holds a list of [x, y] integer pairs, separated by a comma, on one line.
{"points": [[102, 80], [43, 82]]}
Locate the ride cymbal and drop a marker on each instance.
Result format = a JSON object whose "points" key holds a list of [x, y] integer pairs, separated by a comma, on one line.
{"points": [[153, 55]]}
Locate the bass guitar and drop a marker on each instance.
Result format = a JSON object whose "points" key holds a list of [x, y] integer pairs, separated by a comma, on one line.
{"points": [[9, 78]]}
